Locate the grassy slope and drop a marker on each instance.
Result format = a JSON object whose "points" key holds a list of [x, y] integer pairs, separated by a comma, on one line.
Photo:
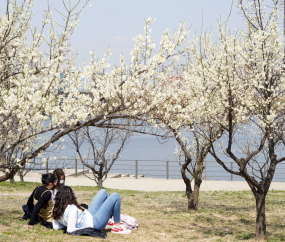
{"points": [[162, 216]]}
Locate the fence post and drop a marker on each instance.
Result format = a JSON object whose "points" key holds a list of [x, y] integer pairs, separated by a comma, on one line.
{"points": [[75, 167], [167, 170], [47, 166], [136, 169], [231, 169]]}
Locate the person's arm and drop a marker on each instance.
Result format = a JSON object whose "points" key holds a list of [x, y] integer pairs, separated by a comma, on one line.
{"points": [[72, 218], [53, 193], [75, 194], [42, 201], [30, 202], [56, 225]]}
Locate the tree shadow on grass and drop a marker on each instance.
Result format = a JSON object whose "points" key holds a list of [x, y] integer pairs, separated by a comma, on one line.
{"points": [[222, 220], [274, 202], [275, 237], [7, 216], [10, 212], [212, 223], [210, 230], [180, 206], [276, 225]]}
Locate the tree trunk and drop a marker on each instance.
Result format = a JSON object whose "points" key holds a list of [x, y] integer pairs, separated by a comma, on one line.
{"points": [[11, 181], [260, 216], [9, 175], [100, 182], [194, 196], [21, 175], [187, 182]]}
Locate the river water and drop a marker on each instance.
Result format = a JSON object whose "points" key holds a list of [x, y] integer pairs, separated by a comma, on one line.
{"points": [[152, 157]]}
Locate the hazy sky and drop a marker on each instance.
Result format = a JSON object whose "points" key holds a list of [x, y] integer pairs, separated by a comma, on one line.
{"points": [[115, 23]]}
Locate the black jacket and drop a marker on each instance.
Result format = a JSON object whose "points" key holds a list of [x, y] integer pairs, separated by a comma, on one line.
{"points": [[42, 201]]}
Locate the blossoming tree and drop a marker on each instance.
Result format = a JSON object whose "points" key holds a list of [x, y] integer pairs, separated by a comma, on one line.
{"points": [[248, 71], [236, 87], [180, 117], [34, 100]]}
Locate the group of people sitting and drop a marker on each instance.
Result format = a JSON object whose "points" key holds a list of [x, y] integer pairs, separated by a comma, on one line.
{"points": [[56, 203]]}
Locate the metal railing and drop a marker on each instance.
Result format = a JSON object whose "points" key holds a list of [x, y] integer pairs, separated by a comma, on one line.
{"points": [[154, 168]]}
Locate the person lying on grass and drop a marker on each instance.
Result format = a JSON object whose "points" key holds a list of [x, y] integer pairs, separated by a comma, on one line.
{"points": [[67, 212], [40, 203]]}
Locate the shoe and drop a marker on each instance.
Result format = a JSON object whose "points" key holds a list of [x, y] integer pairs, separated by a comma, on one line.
{"points": [[110, 224], [121, 230]]}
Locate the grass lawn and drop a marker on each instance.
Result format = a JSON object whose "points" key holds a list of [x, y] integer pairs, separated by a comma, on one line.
{"points": [[162, 216]]}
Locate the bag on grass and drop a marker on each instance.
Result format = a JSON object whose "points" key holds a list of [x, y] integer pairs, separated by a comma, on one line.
{"points": [[129, 222]]}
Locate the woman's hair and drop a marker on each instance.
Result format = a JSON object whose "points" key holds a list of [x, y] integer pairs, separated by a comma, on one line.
{"points": [[47, 178], [59, 172], [63, 197]]}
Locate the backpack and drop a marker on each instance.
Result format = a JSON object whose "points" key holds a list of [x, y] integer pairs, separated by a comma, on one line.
{"points": [[129, 222]]}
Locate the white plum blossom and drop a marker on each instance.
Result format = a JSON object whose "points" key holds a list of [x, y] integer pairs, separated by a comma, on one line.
{"points": [[35, 100]]}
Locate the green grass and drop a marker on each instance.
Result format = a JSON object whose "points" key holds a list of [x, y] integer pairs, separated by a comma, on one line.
{"points": [[162, 216]]}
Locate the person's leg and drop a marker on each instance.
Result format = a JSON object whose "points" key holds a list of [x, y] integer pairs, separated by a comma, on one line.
{"points": [[97, 201], [111, 204]]}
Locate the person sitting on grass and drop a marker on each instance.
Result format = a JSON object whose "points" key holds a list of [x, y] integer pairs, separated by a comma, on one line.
{"points": [[67, 212], [59, 173], [40, 203]]}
